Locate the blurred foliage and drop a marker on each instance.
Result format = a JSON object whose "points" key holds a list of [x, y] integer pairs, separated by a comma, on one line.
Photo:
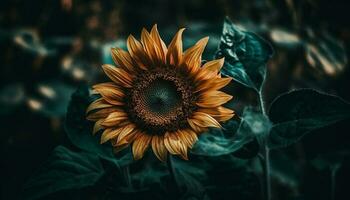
{"points": [[51, 47]]}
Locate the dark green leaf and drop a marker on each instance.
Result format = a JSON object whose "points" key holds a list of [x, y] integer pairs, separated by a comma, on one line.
{"points": [[233, 137], [79, 129], [298, 112], [215, 143], [246, 55], [64, 170]]}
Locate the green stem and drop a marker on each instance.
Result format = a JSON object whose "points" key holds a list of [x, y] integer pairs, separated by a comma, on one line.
{"points": [[262, 103], [266, 149], [267, 173], [334, 170]]}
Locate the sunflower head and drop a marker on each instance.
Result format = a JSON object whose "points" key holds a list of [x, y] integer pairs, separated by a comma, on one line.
{"points": [[159, 96]]}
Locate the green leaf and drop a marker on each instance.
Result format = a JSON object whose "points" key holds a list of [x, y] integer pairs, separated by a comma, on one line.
{"points": [[230, 139], [246, 55], [79, 130], [296, 113], [64, 170]]}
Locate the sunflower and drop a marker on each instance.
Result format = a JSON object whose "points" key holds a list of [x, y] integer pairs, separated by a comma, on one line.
{"points": [[159, 96]]}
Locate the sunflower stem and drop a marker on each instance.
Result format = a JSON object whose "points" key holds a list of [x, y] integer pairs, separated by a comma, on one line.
{"points": [[266, 154], [172, 171], [334, 170], [262, 103]]}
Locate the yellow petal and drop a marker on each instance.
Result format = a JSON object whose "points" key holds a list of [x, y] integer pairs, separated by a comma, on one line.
{"points": [[188, 137], [205, 120], [140, 145], [209, 70], [137, 53], [118, 75], [127, 139], [101, 114], [174, 145], [159, 42], [213, 84], [216, 111], [174, 54], [214, 65], [114, 119], [110, 93], [98, 104], [224, 117], [193, 56], [213, 99], [194, 126], [118, 148], [123, 59], [128, 129], [150, 47], [110, 133], [97, 126], [159, 148]]}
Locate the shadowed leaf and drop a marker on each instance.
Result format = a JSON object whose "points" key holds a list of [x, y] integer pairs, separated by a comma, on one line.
{"points": [[64, 170], [296, 113], [246, 55]]}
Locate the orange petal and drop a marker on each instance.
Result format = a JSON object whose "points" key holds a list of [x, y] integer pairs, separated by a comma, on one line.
{"points": [[209, 70], [214, 65], [159, 42], [194, 126], [213, 99], [128, 129], [150, 47], [97, 126], [98, 104], [127, 139], [174, 145], [118, 148], [123, 59], [111, 93], [110, 133], [188, 137], [140, 145], [217, 111], [205, 120], [101, 114], [159, 148], [137, 53], [118, 75], [193, 56], [115, 119], [213, 84], [174, 54], [219, 115]]}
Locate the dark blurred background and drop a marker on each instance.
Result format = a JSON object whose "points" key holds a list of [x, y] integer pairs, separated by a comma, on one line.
{"points": [[49, 47]]}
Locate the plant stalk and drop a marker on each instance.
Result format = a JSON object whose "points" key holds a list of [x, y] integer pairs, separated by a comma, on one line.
{"points": [[266, 150], [334, 170]]}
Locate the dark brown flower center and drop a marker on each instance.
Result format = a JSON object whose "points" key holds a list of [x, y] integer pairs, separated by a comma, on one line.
{"points": [[161, 100]]}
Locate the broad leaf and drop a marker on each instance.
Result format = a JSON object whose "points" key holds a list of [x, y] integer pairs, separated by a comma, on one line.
{"points": [[64, 170], [79, 130], [296, 113], [217, 142], [246, 55]]}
